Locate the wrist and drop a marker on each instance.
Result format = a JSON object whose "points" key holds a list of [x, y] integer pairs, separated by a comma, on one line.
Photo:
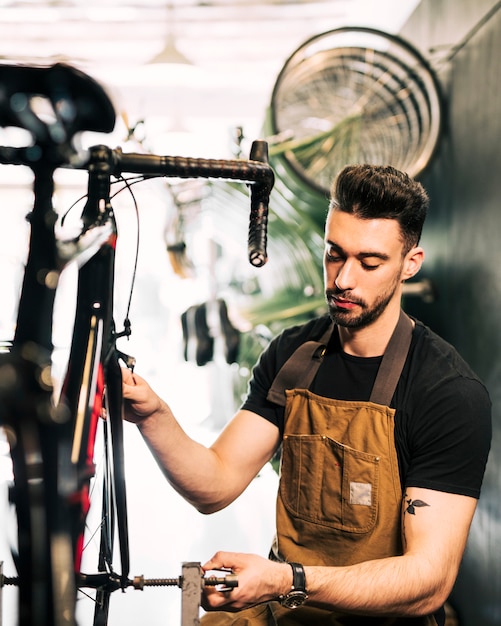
{"points": [[287, 579], [160, 414], [296, 595]]}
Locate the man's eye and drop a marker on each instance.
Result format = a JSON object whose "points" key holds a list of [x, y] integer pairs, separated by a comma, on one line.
{"points": [[369, 267], [331, 255]]}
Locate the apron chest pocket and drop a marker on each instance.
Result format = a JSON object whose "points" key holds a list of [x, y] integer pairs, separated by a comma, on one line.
{"points": [[327, 483]]}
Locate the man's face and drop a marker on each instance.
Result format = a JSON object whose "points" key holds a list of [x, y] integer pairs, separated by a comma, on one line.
{"points": [[363, 267]]}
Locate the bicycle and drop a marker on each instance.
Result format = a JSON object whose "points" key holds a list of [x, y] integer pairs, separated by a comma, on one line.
{"points": [[52, 439]]}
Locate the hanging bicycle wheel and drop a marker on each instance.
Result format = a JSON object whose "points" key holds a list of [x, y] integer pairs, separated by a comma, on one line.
{"points": [[354, 95]]}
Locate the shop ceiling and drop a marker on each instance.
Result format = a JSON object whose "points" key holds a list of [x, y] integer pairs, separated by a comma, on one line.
{"points": [[231, 51]]}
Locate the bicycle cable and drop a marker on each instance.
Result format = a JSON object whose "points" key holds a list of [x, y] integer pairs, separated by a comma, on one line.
{"points": [[127, 185]]}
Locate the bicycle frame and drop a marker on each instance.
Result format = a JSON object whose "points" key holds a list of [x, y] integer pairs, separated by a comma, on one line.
{"points": [[94, 367], [52, 445]]}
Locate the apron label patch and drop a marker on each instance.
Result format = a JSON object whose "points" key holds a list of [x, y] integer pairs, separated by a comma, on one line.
{"points": [[361, 493]]}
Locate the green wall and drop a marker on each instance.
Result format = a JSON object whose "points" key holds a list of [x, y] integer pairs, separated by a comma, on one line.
{"points": [[462, 40]]}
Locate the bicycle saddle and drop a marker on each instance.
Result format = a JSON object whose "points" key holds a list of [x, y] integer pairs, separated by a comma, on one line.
{"points": [[74, 102]]}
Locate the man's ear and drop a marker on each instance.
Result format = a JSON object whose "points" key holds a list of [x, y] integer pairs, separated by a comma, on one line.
{"points": [[412, 262]]}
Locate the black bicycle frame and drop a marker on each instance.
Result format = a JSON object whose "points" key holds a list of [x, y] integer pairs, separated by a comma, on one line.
{"points": [[52, 443], [94, 365]]}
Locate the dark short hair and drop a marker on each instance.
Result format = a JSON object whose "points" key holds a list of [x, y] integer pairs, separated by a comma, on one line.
{"points": [[382, 192]]}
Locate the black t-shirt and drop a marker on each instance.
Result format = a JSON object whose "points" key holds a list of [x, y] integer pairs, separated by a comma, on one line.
{"points": [[443, 411]]}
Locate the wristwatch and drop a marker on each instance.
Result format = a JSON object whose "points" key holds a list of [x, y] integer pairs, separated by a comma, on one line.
{"points": [[297, 595]]}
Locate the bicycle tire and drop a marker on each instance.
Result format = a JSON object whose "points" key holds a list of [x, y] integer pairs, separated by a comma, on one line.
{"points": [[353, 95], [113, 496], [106, 540], [43, 553]]}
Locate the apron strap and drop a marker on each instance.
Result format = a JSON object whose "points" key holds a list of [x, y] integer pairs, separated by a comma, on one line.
{"points": [[393, 362], [301, 367]]}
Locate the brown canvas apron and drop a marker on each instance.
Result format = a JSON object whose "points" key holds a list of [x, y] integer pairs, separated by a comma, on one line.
{"points": [[339, 499]]}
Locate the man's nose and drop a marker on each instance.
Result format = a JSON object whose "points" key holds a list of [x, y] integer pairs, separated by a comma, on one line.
{"points": [[345, 277]]}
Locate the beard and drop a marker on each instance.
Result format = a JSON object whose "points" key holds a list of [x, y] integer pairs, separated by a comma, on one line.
{"points": [[368, 313]]}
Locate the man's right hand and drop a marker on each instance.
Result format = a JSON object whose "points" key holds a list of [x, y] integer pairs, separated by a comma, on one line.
{"points": [[140, 401]]}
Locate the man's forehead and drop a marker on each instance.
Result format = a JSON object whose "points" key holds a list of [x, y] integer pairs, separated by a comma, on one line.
{"points": [[349, 231]]}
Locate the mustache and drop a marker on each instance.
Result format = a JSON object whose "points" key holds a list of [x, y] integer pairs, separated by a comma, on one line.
{"points": [[343, 293], [329, 293]]}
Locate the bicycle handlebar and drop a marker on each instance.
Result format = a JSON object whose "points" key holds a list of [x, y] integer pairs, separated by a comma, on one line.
{"points": [[255, 172], [78, 104]]}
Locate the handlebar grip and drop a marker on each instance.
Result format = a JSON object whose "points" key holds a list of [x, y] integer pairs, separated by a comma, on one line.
{"points": [[258, 219]]}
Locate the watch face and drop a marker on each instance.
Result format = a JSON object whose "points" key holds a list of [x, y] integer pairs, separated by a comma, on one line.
{"points": [[294, 599]]}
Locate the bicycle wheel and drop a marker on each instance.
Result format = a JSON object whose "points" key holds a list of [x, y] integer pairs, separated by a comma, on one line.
{"points": [[53, 466], [112, 515], [42, 555], [353, 95], [97, 578]]}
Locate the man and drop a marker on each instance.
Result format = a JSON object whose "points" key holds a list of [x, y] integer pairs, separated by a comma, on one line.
{"points": [[385, 433]]}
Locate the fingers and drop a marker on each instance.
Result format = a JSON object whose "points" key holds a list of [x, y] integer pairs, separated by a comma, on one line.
{"points": [[140, 401], [259, 580], [222, 560], [220, 596], [134, 387], [241, 567], [128, 377]]}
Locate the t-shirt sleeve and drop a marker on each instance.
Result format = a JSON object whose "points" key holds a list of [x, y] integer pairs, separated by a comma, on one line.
{"points": [[450, 438], [262, 377]]}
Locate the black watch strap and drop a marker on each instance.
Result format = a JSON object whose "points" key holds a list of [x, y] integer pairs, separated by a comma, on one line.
{"points": [[297, 594], [298, 577]]}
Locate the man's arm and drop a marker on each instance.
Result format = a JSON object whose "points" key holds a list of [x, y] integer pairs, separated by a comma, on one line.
{"points": [[435, 527], [209, 478]]}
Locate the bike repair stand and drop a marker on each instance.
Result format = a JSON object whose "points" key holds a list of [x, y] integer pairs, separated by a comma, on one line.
{"points": [[192, 582], [191, 590]]}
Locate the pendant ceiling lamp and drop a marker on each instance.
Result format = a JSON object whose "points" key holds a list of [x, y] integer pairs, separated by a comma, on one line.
{"points": [[170, 54]]}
